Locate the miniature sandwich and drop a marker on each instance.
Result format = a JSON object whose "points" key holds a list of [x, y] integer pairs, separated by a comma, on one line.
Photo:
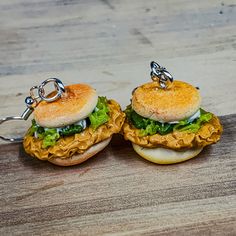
{"points": [[165, 121], [73, 128]]}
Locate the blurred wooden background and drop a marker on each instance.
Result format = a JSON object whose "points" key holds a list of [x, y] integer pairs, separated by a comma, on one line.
{"points": [[109, 44]]}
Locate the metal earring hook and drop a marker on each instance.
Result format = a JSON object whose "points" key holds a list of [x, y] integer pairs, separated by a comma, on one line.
{"points": [[161, 75], [33, 100]]}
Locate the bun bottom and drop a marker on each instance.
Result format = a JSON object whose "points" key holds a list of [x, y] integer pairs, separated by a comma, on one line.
{"points": [[79, 158], [164, 155]]}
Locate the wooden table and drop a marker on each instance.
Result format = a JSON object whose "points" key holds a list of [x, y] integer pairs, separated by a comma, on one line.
{"points": [[109, 44]]}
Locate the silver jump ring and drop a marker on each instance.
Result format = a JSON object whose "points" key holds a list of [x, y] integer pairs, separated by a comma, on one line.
{"points": [[32, 92], [161, 75], [58, 86]]}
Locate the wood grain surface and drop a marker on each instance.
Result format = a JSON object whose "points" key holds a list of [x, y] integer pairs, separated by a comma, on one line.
{"points": [[121, 193], [109, 44]]}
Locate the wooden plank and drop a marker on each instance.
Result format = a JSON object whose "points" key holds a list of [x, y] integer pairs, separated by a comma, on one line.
{"points": [[121, 192]]}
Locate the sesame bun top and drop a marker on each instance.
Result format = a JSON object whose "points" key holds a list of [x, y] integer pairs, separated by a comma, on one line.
{"points": [[78, 101], [181, 100]]}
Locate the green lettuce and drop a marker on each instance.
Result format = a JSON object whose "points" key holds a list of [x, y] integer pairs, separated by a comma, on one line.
{"points": [[70, 130], [194, 126], [100, 114], [34, 127], [50, 136], [149, 127]]}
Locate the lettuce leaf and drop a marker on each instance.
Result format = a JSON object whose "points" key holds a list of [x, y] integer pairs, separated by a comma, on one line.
{"points": [[100, 114], [156, 127], [147, 126], [50, 136], [72, 129], [181, 124], [33, 128], [205, 116], [151, 127], [194, 126], [137, 120]]}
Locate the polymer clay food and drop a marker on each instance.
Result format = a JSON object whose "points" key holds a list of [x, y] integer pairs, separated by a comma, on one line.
{"points": [[165, 121], [74, 127]]}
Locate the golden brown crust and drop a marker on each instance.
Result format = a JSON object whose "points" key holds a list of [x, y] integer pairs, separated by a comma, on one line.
{"points": [[181, 101], [76, 103], [78, 143], [209, 133]]}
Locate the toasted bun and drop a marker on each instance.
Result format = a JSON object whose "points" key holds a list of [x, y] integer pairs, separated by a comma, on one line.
{"points": [[76, 103], [166, 156], [178, 102], [79, 158]]}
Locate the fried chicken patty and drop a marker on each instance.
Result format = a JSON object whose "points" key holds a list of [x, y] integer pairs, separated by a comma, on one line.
{"points": [[208, 133]]}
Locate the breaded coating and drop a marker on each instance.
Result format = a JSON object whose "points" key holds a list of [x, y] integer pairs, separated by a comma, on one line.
{"points": [[209, 133]]}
